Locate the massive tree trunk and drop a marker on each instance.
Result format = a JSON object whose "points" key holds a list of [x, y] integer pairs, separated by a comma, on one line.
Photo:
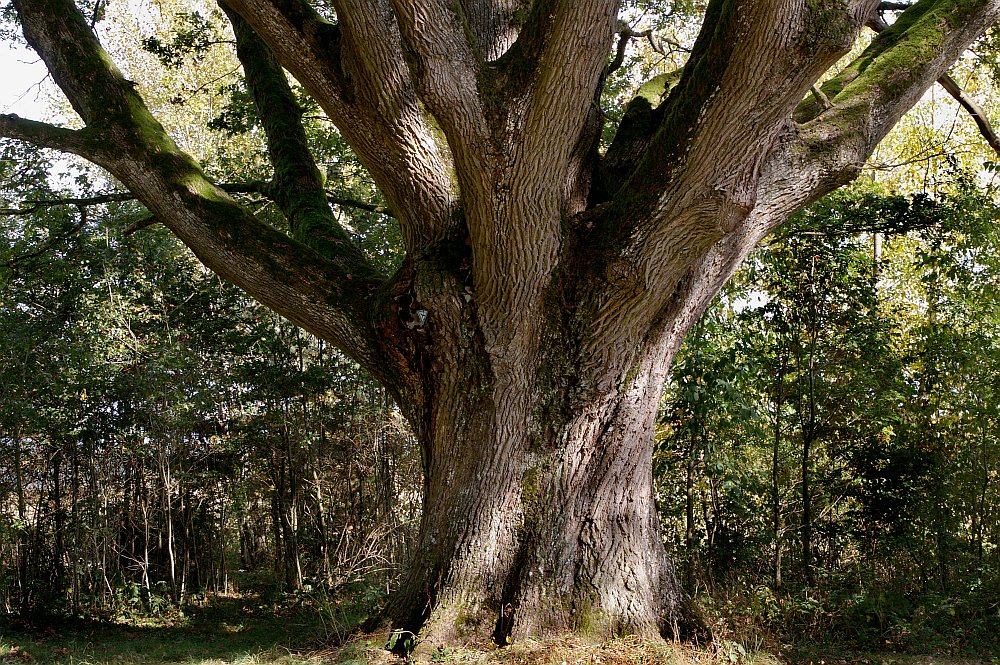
{"points": [[546, 285], [539, 513]]}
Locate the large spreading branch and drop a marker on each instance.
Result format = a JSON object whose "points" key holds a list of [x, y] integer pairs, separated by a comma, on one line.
{"points": [[954, 89], [492, 24], [872, 93], [697, 179], [77, 142], [725, 163], [445, 67], [330, 296], [356, 72], [828, 151], [297, 185], [516, 125], [555, 67]]}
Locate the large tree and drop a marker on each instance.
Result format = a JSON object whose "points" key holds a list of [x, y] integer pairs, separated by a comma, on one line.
{"points": [[546, 284]]}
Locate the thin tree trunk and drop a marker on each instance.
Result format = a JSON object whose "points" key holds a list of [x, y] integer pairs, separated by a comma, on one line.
{"points": [[776, 527], [690, 542], [58, 582], [77, 553], [166, 480], [23, 544], [809, 431]]}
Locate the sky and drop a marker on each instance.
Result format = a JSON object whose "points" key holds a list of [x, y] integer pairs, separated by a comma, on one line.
{"points": [[23, 82]]}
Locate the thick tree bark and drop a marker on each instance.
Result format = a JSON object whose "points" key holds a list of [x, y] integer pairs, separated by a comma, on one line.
{"points": [[539, 513]]}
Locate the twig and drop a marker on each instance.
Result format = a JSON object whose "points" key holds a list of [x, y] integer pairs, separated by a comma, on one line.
{"points": [[893, 6], [821, 97], [51, 242], [34, 205], [31, 206], [626, 34]]}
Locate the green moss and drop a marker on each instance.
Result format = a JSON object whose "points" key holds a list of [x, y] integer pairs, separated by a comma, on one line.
{"points": [[520, 15], [656, 89], [531, 486], [470, 620], [630, 377], [470, 37], [830, 26], [893, 59], [590, 622]]}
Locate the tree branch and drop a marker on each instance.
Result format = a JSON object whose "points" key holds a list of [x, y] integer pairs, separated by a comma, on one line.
{"points": [[560, 92], [34, 205], [78, 142], [953, 89], [873, 92], [713, 93], [332, 297], [973, 109], [626, 34], [355, 70], [697, 160], [337, 200], [546, 87], [297, 186], [443, 64], [624, 37], [30, 206], [492, 25]]}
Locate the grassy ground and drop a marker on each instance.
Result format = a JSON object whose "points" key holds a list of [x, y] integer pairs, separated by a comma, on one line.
{"points": [[231, 631], [226, 632]]}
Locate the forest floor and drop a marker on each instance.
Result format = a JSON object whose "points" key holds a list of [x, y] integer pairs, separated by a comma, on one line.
{"points": [[229, 631], [250, 632]]}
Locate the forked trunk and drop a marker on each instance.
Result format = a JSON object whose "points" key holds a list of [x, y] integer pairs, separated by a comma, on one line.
{"points": [[539, 514]]}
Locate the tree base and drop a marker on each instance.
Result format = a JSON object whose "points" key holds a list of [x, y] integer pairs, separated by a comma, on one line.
{"points": [[453, 626]]}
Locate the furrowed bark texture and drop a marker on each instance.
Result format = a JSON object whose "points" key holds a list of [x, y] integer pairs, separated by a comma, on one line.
{"points": [[546, 288]]}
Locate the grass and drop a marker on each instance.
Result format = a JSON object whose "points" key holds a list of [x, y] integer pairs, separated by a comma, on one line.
{"points": [[560, 650], [247, 631], [228, 631]]}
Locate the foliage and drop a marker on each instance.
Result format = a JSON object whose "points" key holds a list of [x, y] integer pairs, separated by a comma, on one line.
{"points": [[163, 436], [841, 481]]}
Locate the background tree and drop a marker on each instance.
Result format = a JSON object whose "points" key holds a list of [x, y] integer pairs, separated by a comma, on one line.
{"points": [[903, 453], [164, 437]]}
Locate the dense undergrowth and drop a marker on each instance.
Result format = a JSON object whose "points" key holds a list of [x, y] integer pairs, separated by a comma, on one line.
{"points": [[860, 620]]}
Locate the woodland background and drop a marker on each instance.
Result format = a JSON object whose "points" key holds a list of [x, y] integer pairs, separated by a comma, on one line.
{"points": [[828, 456]]}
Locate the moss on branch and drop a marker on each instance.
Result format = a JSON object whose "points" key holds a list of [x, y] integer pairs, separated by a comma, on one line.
{"points": [[297, 185], [333, 296], [874, 90]]}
